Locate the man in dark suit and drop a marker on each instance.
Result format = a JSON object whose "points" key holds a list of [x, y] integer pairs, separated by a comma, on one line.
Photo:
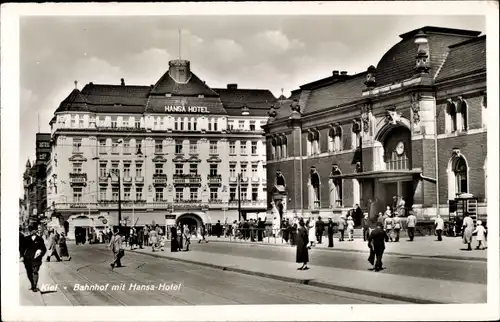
{"points": [[320, 228], [33, 251], [376, 243], [330, 232]]}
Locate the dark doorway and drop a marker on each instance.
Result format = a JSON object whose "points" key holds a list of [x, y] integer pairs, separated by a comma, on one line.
{"points": [[192, 221], [408, 193], [391, 190]]}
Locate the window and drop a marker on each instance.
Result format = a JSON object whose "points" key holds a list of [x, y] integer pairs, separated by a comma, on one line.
{"points": [[155, 123], [232, 147], [102, 170], [462, 114], [254, 148], [460, 170], [73, 122], [113, 123], [254, 171], [179, 194], [176, 124], [214, 194], [158, 146], [77, 168], [44, 145], [126, 193], [125, 123], [77, 145], [193, 147], [114, 194], [126, 147], [80, 123], [314, 193], [336, 193], [195, 125], [356, 137], [244, 194], [158, 168], [126, 170], [77, 194], [398, 162], [138, 169], [255, 194], [114, 146], [189, 126], [159, 194], [178, 147], [137, 124], [102, 193], [252, 125], [232, 193], [213, 169], [213, 147], [243, 170], [138, 193], [193, 193], [232, 170], [179, 169], [210, 124], [181, 121], [193, 169], [138, 146], [230, 125], [241, 125], [243, 147], [215, 124]]}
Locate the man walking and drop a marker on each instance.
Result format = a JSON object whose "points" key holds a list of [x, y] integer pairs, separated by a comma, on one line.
{"points": [[366, 227], [33, 251], [341, 227], [116, 247], [439, 223], [412, 222], [376, 243], [330, 232], [397, 226], [320, 228], [53, 241]]}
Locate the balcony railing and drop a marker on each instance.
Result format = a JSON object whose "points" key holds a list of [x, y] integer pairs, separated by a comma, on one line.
{"points": [[255, 179], [103, 179], [244, 179], [215, 201], [78, 178], [214, 179], [139, 180], [233, 179], [187, 179], [259, 202], [127, 179], [159, 179]]}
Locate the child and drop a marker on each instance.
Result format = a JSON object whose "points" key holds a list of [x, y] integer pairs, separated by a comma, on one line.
{"points": [[481, 235], [163, 241]]}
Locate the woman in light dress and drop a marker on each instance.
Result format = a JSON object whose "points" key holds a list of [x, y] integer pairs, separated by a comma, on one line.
{"points": [[187, 238], [481, 235], [311, 226], [468, 229]]}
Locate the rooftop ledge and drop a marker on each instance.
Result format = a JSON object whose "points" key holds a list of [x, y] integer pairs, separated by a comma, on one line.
{"points": [[392, 87]]}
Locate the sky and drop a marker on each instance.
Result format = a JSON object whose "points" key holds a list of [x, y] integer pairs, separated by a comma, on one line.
{"points": [[269, 52]]}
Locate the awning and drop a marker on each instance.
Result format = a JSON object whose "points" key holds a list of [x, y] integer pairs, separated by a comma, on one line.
{"points": [[384, 174]]}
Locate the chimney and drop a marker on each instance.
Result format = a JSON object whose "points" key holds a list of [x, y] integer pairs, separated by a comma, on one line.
{"points": [[335, 73], [179, 70], [123, 82], [343, 73], [232, 86]]}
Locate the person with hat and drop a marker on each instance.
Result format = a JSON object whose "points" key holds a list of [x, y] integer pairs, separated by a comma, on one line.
{"points": [[53, 241], [63, 248], [396, 221], [311, 226], [116, 247], [365, 224], [331, 227], [376, 243], [33, 251], [388, 225], [341, 227], [302, 254], [320, 228]]}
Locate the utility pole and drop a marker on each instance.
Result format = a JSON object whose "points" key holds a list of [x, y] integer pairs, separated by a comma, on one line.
{"points": [[119, 199], [239, 197]]}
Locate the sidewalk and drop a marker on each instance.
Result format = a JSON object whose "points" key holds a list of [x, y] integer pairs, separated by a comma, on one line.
{"points": [[44, 298], [449, 248], [397, 287]]}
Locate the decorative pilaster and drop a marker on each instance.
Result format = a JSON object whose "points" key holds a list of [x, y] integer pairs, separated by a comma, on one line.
{"points": [[415, 111]]}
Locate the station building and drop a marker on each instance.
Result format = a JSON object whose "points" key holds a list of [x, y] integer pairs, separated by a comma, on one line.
{"points": [[414, 126], [173, 148]]}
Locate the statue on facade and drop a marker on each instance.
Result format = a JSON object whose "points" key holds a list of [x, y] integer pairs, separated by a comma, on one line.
{"points": [[280, 179]]}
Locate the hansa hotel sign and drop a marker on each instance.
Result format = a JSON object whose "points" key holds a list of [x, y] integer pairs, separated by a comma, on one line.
{"points": [[185, 109]]}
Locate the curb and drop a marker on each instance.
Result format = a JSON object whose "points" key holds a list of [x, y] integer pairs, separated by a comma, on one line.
{"points": [[310, 282], [451, 257]]}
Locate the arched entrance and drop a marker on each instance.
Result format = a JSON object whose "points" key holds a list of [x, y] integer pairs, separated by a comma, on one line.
{"points": [[193, 221]]}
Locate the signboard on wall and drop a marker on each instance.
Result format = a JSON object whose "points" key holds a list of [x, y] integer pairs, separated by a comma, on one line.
{"points": [[170, 220]]}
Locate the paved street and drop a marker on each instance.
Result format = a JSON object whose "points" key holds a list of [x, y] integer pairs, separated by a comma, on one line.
{"points": [[406, 265], [199, 285]]}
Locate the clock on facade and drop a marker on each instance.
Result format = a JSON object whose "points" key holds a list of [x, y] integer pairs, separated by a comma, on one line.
{"points": [[400, 148]]}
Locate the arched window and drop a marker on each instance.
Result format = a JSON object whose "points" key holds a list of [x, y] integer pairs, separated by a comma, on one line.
{"points": [[460, 171], [284, 150], [356, 134], [331, 140], [314, 185], [309, 143], [273, 149], [451, 117], [335, 188], [462, 109], [338, 138], [314, 142]]}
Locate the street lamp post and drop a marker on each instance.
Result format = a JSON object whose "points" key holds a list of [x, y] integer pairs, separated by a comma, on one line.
{"points": [[239, 197]]}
